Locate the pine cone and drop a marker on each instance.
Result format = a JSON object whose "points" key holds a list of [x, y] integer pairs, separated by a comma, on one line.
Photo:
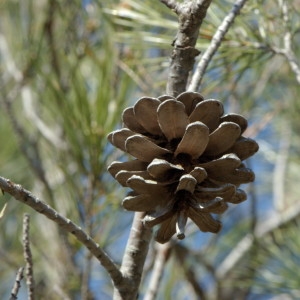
{"points": [[188, 161]]}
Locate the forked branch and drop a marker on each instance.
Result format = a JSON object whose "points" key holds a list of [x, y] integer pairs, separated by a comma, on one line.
{"points": [[24, 196]]}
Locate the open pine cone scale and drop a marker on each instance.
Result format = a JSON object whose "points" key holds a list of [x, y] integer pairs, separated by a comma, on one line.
{"points": [[188, 161]]}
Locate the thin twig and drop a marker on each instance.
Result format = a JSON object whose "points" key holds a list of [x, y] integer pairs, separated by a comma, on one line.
{"points": [[28, 257], [172, 4], [162, 256], [246, 243], [214, 45], [17, 284], [24, 196], [134, 258], [293, 62], [288, 52], [190, 17], [2, 211]]}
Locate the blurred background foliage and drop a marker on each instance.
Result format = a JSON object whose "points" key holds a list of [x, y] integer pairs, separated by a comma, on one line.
{"points": [[68, 69]]}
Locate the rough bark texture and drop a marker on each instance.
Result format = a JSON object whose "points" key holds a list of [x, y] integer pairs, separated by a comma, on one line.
{"points": [[134, 259], [28, 258], [190, 17]]}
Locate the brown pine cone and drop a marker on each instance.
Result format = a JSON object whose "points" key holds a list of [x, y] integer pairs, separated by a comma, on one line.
{"points": [[188, 161]]}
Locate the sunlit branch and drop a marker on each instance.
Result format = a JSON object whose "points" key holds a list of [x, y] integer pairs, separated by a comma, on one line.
{"points": [[24, 196], [245, 244], [162, 255], [294, 64], [214, 45], [17, 284], [287, 51]]}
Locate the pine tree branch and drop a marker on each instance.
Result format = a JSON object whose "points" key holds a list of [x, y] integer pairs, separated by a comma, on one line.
{"points": [[214, 45], [293, 62], [245, 244], [24, 196], [28, 258], [287, 51], [190, 17], [162, 256], [17, 284], [134, 259]]}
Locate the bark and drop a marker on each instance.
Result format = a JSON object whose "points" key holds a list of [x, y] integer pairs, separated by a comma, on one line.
{"points": [[190, 17], [133, 260], [17, 284]]}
